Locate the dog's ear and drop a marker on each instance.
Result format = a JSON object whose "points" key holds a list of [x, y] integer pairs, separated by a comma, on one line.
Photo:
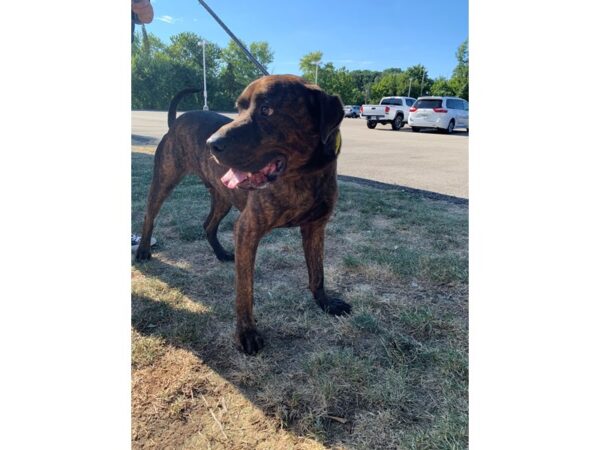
{"points": [[331, 113], [328, 112]]}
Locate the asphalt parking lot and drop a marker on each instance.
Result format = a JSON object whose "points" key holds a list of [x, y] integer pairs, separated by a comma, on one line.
{"points": [[427, 160]]}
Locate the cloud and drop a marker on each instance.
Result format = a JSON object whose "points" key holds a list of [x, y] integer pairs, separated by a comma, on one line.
{"points": [[168, 19]]}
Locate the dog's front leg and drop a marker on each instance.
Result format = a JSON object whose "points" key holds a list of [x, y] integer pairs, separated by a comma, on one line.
{"points": [[247, 237], [313, 239]]}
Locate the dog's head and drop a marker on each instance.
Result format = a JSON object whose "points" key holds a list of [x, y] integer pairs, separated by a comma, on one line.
{"points": [[285, 127]]}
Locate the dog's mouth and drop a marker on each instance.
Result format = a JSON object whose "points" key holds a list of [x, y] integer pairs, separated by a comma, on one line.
{"points": [[249, 181]]}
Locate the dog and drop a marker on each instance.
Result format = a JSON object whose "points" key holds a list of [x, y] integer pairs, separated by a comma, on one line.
{"points": [[276, 163]]}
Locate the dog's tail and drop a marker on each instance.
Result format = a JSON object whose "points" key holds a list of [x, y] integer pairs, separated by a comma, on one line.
{"points": [[173, 105]]}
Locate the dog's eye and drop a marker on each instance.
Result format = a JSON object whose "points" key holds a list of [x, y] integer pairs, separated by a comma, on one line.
{"points": [[266, 110]]}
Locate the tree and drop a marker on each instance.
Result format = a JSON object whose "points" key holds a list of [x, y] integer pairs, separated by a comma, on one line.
{"points": [[186, 49], [421, 83], [362, 80], [151, 86], [385, 86], [412, 82], [185, 53], [392, 70], [228, 90], [441, 86], [338, 82], [244, 71], [308, 64], [158, 71], [149, 46], [331, 80], [150, 72], [460, 75]]}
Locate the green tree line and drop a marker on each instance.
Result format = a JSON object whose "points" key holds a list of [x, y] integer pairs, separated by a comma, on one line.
{"points": [[160, 70]]}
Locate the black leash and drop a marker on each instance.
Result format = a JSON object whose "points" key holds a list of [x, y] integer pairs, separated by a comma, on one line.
{"points": [[235, 39]]}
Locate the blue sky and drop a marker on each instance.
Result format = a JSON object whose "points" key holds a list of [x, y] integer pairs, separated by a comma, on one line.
{"points": [[402, 33]]}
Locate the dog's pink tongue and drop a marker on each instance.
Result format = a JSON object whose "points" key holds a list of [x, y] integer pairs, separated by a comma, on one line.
{"points": [[233, 177]]}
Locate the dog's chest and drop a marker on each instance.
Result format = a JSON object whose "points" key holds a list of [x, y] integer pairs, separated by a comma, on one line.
{"points": [[310, 204], [318, 212]]}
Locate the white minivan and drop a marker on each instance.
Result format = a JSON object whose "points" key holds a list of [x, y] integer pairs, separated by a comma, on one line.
{"points": [[442, 113]]}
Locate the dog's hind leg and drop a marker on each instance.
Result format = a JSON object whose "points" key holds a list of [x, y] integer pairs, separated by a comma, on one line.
{"points": [[219, 207], [167, 175]]}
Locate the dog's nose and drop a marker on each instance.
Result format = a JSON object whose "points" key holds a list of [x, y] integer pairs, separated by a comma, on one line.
{"points": [[215, 143]]}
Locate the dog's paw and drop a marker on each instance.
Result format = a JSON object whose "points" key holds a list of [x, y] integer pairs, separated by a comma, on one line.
{"points": [[143, 254], [250, 341], [335, 306]]}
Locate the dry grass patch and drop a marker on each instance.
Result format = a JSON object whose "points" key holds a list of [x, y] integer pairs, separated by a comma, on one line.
{"points": [[393, 375]]}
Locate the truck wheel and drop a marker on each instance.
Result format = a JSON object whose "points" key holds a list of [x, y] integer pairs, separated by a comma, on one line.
{"points": [[398, 122], [371, 124]]}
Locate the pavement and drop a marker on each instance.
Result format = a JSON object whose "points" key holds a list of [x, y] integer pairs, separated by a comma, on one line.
{"points": [[426, 161]]}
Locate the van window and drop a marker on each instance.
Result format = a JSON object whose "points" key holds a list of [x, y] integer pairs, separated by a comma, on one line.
{"points": [[465, 105], [453, 103], [409, 102], [429, 103]]}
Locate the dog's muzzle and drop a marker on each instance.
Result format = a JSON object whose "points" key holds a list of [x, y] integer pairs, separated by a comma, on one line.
{"points": [[216, 144]]}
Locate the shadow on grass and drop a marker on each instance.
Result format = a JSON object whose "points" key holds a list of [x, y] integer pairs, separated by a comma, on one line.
{"points": [[313, 367]]}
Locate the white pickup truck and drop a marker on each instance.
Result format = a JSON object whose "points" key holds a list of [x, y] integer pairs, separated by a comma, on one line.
{"points": [[392, 110]]}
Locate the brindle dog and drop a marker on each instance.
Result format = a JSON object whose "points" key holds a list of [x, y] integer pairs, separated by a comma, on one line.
{"points": [[276, 163]]}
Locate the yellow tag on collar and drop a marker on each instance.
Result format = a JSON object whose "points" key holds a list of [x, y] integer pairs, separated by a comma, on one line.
{"points": [[338, 143]]}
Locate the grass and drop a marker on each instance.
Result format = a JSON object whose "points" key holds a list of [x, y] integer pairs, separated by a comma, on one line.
{"points": [[392, 375]]}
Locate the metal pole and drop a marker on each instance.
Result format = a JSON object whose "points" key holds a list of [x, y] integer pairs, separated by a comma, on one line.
{"points": [[235, 39], [422, 80], [205, 107], [409, 86]]}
